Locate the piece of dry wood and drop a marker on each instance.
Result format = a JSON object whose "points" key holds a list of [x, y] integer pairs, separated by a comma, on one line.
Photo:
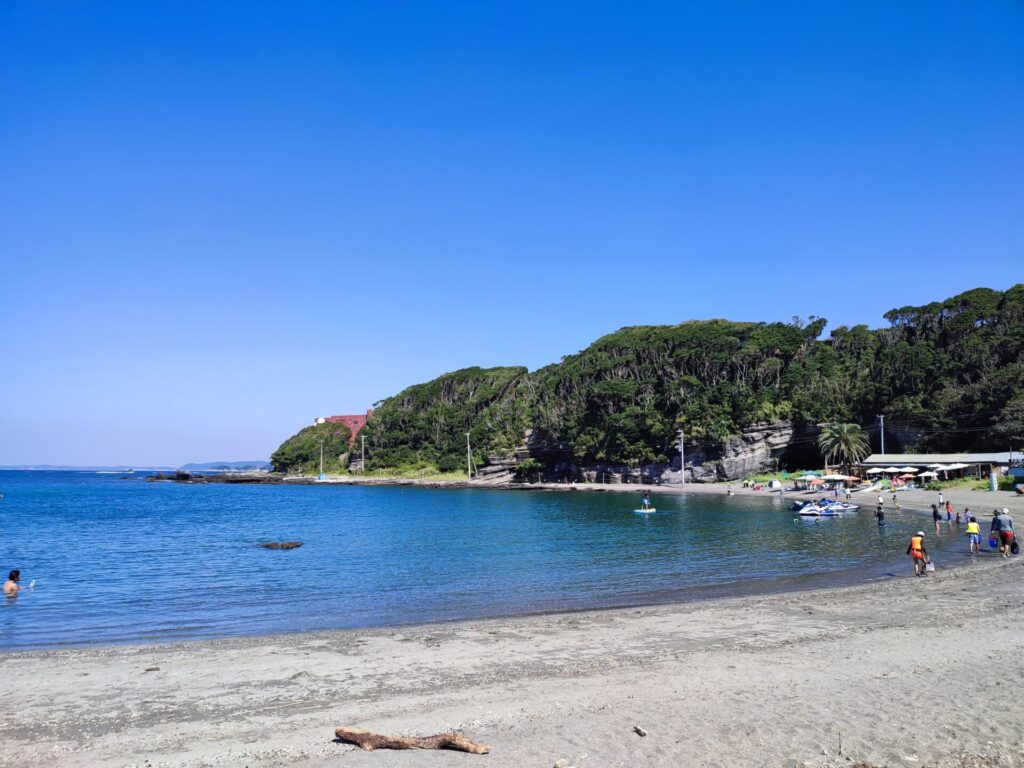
{"points": [[371, 741]]}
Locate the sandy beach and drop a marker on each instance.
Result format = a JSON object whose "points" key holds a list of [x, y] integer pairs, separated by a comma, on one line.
{"points": [[904, 672]]}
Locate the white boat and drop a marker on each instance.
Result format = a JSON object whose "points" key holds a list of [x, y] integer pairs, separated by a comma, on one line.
{"points": [[826, 509]]}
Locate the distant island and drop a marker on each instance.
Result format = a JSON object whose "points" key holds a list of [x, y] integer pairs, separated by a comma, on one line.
{"points": [[210, 466], [76, 468], [227, 466]]}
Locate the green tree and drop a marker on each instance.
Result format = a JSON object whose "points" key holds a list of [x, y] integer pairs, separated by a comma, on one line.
{"points": [[300, 453], [848, 442]]}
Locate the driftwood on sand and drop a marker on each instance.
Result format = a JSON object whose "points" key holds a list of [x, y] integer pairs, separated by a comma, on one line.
{"points": [[371, 741]]}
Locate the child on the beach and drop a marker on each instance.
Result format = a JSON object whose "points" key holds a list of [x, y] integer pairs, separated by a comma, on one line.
{"points": [[973, 536]]}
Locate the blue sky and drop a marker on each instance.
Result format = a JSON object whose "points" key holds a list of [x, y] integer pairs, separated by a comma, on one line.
{"points": [[218, 221]]}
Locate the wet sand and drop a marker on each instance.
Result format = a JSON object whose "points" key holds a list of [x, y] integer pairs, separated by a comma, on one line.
{"points": [[907, 672]]}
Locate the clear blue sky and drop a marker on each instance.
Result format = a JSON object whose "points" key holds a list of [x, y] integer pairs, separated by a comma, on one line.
{"points": [[220, 220]]}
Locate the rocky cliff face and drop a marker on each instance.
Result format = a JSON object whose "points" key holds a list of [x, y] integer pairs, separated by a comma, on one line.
{"points": [[760, 448]]}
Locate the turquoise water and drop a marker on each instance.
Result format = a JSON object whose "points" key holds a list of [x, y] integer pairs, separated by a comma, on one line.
{"points": [[128, 561]]}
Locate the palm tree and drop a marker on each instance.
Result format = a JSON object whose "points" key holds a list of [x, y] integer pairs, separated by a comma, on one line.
{"points": [[848, 442]]}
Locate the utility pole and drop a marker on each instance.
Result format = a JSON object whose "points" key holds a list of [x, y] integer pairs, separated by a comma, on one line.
{"points": [[469, 459], [881, 430], [682, 457], [362, 452]]}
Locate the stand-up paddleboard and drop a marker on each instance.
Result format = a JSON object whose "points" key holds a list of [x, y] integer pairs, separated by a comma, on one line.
{"points": [[647, 511]]}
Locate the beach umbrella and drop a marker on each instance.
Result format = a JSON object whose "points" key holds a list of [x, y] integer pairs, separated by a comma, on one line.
{"points": [[909, 470], [929, 474], [892, 469], [957, 466], [875, 471], [808, 476], [908, 477], [934, 466]]}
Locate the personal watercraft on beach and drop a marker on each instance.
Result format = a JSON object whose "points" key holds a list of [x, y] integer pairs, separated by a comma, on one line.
{"points": [[823, 508]]}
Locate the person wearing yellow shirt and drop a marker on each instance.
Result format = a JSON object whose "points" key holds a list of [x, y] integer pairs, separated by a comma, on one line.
{"points": [[973, 535]]}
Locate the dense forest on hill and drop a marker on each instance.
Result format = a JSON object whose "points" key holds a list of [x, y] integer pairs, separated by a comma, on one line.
{"points": [[949, 373], [300, 453]]}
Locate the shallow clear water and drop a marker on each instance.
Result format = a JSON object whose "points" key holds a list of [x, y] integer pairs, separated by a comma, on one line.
{"points": [[127, 561]]}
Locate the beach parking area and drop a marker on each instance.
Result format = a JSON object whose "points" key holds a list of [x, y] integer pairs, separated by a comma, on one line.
{"points": [[903, 672]]}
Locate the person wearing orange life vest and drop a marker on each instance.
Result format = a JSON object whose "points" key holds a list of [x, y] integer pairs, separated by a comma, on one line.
{"points": [[918, 553]]}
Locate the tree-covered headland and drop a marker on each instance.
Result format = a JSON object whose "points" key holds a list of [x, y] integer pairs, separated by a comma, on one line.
{"points": [[300, 453], [947, 376]]}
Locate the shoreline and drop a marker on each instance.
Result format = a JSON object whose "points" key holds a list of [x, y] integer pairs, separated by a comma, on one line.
{"points": [[918, 500], [756, 680]]}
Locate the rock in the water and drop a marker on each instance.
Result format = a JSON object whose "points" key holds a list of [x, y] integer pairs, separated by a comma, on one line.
{"points": [[282, 544]]}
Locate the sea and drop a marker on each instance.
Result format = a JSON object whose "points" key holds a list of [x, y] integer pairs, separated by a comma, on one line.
{"points": [[116, 559]]}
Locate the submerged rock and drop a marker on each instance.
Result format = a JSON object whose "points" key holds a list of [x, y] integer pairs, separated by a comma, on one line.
{"points": [[282, 544]]}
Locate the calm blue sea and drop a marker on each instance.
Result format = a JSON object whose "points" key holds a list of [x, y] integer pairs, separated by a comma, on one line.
{"points": [[122, 560]]}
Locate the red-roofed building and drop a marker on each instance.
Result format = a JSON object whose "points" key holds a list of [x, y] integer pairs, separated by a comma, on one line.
{"points": [[354, 423]]}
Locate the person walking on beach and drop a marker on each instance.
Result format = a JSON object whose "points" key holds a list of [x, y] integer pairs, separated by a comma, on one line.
{"points": [[936, 518], [918, 553], [973, 536], [942, 501], [11, 585], [1002, 526], [847, 494]]}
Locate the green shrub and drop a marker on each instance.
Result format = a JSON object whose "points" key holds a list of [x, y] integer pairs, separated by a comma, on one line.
{"points": [[1006, 482]]}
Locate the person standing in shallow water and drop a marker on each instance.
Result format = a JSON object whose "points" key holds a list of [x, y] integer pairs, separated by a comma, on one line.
{"points": [[918, 553], [937, 518], [1002, 526], [973, 535], [11, 585]]}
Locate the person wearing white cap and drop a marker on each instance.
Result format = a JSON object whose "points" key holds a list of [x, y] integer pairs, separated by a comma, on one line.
{"points": [[1002, 526], [918, 553]]}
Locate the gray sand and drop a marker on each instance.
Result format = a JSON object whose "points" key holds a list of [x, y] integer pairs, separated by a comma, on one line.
{"points": [[908, 672]]}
